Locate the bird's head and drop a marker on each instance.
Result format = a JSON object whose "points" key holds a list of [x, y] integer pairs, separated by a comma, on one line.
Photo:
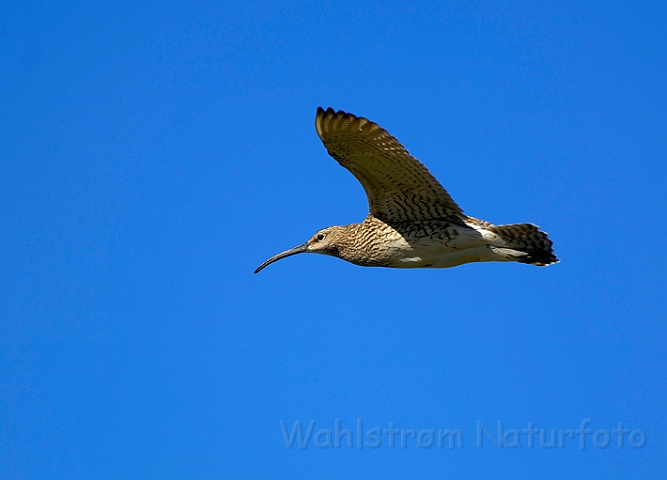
{"points": [[326, 241]]}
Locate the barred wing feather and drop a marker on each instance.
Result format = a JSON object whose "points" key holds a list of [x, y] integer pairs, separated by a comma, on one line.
{"points": [[398, 186]]}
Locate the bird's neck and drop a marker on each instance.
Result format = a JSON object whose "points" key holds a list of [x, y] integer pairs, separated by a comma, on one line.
{"points": [[358, 241]]}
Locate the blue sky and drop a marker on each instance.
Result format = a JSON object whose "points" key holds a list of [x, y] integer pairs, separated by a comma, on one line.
{"points": [[154, 154]]}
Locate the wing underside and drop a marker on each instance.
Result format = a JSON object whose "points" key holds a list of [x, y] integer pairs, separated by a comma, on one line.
{"points": [[398, 186]]}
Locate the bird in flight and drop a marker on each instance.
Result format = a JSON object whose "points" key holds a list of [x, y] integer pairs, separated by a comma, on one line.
{"points": [[413, 222]]}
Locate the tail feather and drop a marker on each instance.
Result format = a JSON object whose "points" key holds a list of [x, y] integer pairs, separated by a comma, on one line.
{"points": [[528, 239]]}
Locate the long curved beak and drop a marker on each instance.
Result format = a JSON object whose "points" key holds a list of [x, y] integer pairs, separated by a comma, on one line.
{"points": [[287, 253]]}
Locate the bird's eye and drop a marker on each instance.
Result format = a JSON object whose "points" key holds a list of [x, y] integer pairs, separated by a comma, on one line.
{"points": [[320, 236]]}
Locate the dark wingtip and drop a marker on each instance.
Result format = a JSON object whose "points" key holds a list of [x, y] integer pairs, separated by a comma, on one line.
{"points": [[328, 111]]}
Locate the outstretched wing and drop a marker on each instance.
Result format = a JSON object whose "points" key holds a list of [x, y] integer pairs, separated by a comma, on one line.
{"points": [[398, 186]]}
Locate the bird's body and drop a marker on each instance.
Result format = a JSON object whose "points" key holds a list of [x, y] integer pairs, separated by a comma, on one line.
{"points": [[413, 222]]}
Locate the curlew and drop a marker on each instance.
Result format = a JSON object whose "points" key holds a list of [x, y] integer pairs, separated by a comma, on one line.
{"points": [[413, 222]]}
